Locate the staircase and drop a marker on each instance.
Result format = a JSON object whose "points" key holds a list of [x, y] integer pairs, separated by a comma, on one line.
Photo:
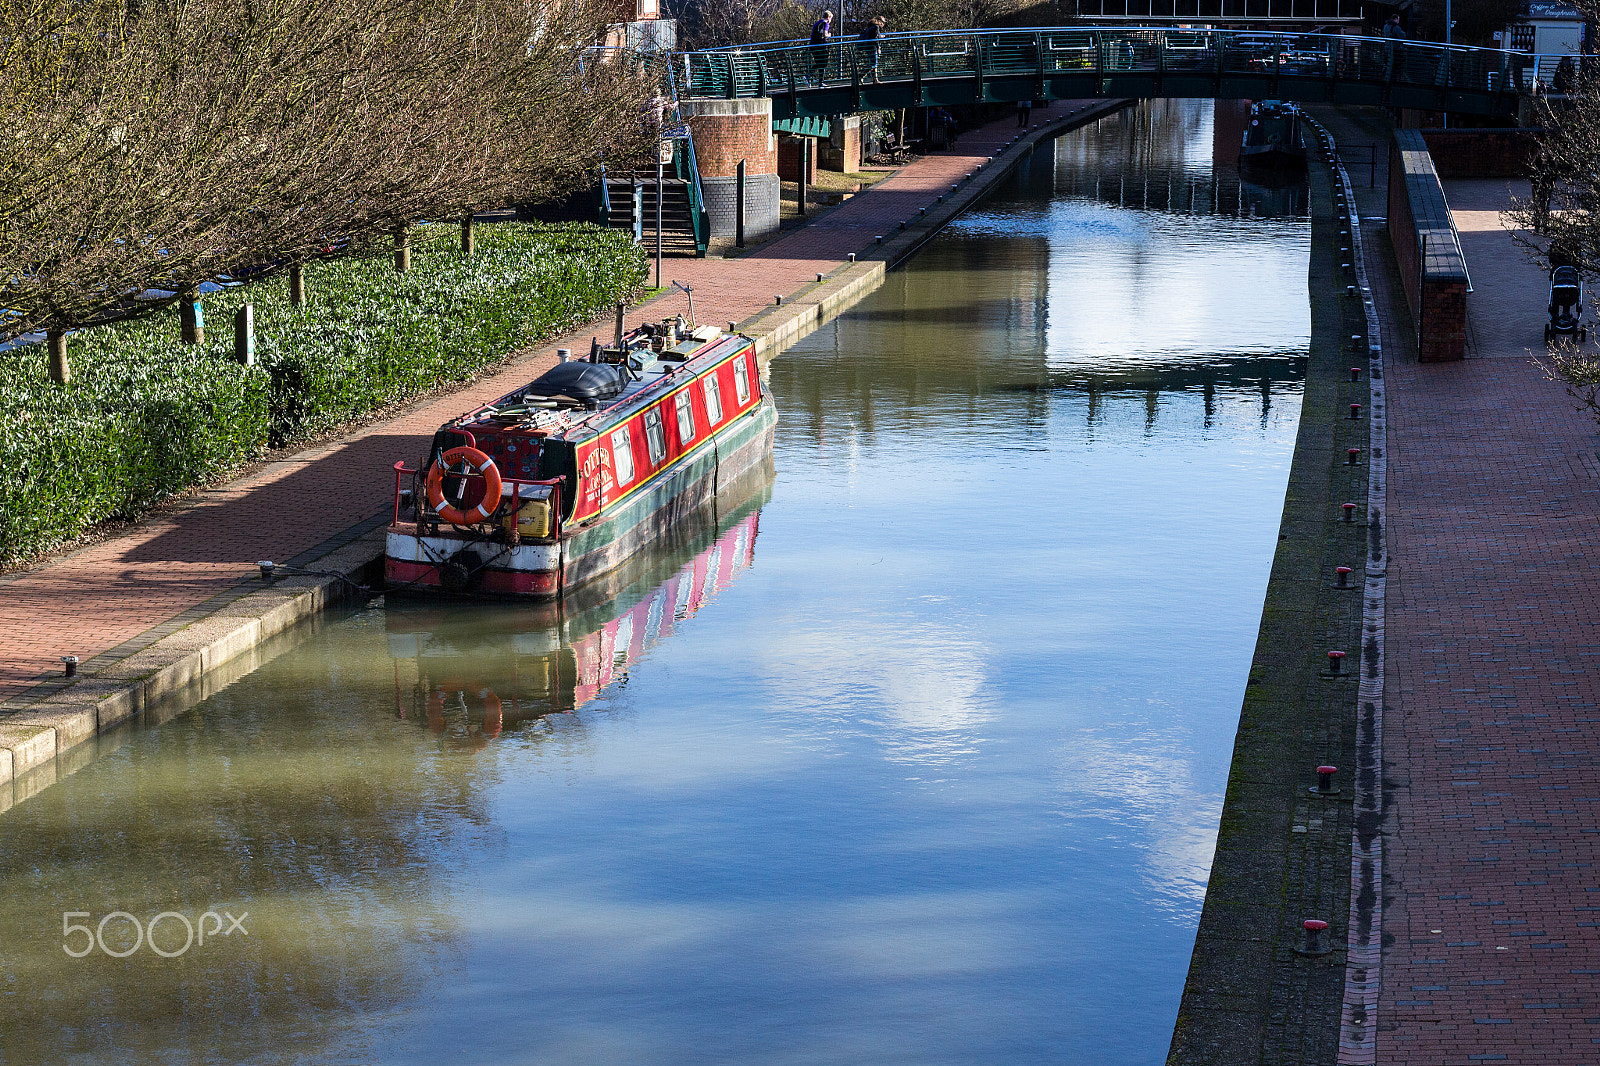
{"points": [[677, 226]]}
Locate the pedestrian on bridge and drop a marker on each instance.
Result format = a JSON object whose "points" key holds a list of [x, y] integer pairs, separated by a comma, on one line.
{"points": [[871, 44], [1397, 56], [821, 30]]}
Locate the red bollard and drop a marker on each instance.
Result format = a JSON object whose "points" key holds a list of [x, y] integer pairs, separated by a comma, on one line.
{"points": [[1355, 411], [1336, 663], [1355, 373], [1349, 511], [1312, 942], [1324, 785], [1352, 457], [1344, 576]]}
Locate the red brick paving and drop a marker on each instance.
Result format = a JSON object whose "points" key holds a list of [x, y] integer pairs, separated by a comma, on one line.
{"points": [[101, 596], [1492, 728]]}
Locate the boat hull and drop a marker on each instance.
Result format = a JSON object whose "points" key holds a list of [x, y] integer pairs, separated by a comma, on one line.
{"points": [[1281, 157], [546, 571]]}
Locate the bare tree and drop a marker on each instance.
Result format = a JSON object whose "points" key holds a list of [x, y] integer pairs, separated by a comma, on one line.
{"points": [[144, 154], [1559, 221]]}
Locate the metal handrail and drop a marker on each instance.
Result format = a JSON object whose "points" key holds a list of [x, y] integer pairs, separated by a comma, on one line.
{"points": [[689, 170], [683, 161], [792, 67]]}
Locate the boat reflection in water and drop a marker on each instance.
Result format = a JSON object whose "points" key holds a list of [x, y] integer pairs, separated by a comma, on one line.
{"points": [[487, 668]]}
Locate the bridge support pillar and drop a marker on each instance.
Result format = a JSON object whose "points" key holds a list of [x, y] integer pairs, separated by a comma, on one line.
{"points": [[843, 150], [725, 132]]}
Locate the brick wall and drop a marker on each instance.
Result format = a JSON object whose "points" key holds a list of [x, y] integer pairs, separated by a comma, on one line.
{"points": [[1488, 153], [789, 159], [1433, 271], [726, 132], [1403, 232], [720, 141]]}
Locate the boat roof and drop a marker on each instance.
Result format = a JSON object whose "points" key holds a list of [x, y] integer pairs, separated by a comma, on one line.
{"points": [[661, 374]]}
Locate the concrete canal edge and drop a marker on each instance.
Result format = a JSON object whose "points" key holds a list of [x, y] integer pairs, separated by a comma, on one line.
{"points": [[1284, 853], [46, 732]]}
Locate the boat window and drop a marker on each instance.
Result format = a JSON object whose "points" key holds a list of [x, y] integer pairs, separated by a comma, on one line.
{"points": [[741, 380], [622, 455], [655, 436], [713, 399], [685, 418]]}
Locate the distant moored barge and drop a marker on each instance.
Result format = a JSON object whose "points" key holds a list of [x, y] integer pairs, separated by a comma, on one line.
{"points": [[1275, 137]]}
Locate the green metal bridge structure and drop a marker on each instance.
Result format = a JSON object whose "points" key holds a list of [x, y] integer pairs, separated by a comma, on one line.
{"points": [[850, 75]]}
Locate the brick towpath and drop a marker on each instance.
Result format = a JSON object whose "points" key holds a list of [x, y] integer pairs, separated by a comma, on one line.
{"points": [[107, 599], [1492, 723]]}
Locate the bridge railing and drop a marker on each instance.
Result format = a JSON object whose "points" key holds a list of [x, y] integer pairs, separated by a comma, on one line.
{"points": [[795, 66]]}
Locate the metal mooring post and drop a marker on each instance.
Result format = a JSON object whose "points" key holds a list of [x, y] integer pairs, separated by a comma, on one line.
{"points": [[660, 176], [805, 171]]}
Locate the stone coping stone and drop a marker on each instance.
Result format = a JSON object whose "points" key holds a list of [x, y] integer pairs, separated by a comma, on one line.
{"points": [[1442, 260]]}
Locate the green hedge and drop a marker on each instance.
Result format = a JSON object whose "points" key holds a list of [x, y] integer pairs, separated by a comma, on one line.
{"points": [[147, 416]]}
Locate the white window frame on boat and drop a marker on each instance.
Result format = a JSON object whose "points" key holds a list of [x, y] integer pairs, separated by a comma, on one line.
{"points": [[685, 407], [655, 436], [622, 455], [713, 389], [741, 383]]}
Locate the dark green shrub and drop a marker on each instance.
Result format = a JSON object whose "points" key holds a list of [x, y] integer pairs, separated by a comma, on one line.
{"points": [[147, 416]]}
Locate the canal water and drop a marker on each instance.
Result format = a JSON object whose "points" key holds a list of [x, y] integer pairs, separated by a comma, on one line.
{"points": [[914, 754]]}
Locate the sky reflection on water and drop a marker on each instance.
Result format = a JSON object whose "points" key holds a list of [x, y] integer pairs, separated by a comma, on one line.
{"points": [[915, 755]]}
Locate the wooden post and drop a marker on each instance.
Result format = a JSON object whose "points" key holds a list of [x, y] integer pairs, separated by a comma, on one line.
{"points": [[244, 335], [191, 318], [402, 249], [60, 371], [468, 243], [805, 171], [297, 285]]}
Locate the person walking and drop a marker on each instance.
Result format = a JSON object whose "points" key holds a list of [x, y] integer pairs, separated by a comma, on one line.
{"points": [[1397, 57], [870, 47], [1024, 112], [1566, 76], [821, 31]]}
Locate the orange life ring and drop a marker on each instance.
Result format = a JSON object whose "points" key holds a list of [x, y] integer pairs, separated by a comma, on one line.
{"points": [[478, 463]]}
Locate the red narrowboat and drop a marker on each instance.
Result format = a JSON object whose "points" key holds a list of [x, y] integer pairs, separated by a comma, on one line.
{"points": [[558, 482]]}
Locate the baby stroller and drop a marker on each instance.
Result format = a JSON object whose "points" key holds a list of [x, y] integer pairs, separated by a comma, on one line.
{"points": [[1566, 305]]}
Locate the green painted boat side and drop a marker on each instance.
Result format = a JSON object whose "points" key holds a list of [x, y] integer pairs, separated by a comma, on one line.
{"points": [[603, 546]]}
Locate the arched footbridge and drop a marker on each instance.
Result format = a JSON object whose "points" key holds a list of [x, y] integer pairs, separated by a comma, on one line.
{"points": [[912, 70]]}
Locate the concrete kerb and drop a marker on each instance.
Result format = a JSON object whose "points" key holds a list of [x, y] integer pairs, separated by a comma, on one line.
{"points": [[38, 733], [1255, 999]]}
